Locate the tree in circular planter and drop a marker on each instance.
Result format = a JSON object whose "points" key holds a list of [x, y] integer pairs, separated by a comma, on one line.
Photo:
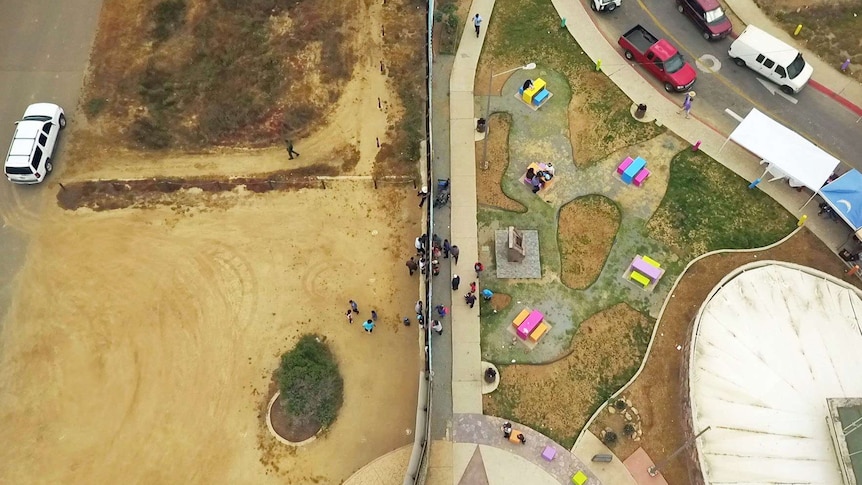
{"points": [[312, 390]]}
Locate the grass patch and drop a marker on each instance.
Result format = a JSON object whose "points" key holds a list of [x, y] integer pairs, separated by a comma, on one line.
{"points": [[708, 207], [310, 382], [558, 398]]}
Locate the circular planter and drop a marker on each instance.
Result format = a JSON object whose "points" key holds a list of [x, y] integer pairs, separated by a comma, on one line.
{"points": [[486, 387], [278, 436]]}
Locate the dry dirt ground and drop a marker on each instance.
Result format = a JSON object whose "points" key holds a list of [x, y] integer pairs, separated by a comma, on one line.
{"points": [[489, 188], [147, 338], [583, 252], [141, 341]]}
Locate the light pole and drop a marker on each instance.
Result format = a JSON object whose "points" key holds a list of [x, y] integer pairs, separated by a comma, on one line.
{"points": [[526, 67]]}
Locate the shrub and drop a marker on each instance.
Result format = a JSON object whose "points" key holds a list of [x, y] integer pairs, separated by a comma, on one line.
{"points": [[149, 134], [310, 384], [167, 17], [94, 106]]}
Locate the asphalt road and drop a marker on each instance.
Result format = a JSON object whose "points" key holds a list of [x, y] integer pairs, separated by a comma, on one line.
{"points": [[722, 85], [44, 50]]}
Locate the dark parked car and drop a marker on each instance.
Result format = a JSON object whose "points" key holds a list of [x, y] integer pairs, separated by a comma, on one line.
{"points": [[708, 16]]}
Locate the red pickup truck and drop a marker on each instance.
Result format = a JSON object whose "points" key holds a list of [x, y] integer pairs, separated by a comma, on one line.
{"points": [[658, 57]]}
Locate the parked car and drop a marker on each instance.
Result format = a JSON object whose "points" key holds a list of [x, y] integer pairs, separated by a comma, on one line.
{"points": [[770, 57], [605, 5], [28, 160], [708, 16], [659, 57]]}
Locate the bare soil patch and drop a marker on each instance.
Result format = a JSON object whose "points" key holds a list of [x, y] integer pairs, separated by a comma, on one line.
{"points": [[587, 228], [558, 398], [658, 391], [157, 350], [489, 188]]}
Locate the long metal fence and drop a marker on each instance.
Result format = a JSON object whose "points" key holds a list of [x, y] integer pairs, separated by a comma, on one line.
{"points": [[417, 469]]}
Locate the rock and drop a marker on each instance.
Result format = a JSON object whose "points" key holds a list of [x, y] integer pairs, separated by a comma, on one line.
{"points": [[636, 438], [634, 411], [628, 416], [612, 409]]}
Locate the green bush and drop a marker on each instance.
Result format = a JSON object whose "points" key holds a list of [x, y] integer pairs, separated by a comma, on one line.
{"points": [[310, 384], [94, 106], [167, 16]]}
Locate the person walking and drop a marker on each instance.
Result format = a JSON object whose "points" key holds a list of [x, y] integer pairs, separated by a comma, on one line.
{"points": [[477, 23], [412, 266], [437, 326], [479, 268], [470, 299], [472, 287], [368, 326], [456, 281], [441, 310], [454, 251], [290, 151], [423, 196], [349, 316], [686, 103], [446, 248], [354, 306], [374, 315], [507, 429]]}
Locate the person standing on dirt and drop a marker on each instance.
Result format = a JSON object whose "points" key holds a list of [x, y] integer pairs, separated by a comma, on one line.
{"points": [[349, 316], [454, 251], [412, 266], [368, 326], [354, 306], [290, 151], [374, 315], [477, 23], [423, 196]]}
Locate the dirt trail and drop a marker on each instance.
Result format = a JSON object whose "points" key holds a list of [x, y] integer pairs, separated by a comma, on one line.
{"points": [[140, 342]]}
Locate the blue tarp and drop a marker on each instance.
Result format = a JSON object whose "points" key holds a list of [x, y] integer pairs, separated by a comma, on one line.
{"points": [[844, 194]]}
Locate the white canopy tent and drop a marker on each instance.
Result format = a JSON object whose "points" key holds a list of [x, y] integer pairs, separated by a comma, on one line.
{"points": [[787, 153]]}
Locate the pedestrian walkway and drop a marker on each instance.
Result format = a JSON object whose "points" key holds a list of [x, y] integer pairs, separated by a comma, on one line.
{"points": [[478, 429]]}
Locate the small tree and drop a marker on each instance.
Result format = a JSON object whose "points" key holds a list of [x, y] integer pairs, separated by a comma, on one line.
{"points": [[311, 386]]}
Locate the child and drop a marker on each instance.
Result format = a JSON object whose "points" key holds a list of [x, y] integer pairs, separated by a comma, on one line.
{"points": [[374, 315], [354, 306], [349, 316]]}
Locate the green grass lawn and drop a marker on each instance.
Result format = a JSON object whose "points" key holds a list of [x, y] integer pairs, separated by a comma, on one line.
{"points": [[708, 207]]}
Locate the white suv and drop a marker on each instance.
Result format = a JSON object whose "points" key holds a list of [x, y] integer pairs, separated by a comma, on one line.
{"points": [[29, 157]]}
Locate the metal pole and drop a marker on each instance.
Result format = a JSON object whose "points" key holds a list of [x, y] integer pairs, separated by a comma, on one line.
{"points": [[655, 469]]}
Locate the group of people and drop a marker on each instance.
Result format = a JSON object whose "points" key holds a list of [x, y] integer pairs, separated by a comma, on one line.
{"points": [[429, 252], [538, 179], [367, 325]]}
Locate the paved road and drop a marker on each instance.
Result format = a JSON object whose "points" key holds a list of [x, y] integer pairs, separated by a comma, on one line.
{"points": [[44, 49], [811, 113]]}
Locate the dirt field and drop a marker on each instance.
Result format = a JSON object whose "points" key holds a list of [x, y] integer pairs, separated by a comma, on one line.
{"points": [[141, 342], [583, 252]]}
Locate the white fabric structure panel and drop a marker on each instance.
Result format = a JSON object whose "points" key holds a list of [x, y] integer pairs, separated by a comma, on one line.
{"points": [[784, 149], [771, 346]]}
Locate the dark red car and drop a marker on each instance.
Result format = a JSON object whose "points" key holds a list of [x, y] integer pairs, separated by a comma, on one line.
{"points": [[708, 16]]}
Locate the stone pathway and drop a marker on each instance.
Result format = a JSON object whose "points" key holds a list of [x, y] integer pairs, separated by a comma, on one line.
{"points": [[485, 430]]}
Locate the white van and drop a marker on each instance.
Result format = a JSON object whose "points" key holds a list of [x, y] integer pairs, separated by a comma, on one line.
{"points": [[771, 58]]}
